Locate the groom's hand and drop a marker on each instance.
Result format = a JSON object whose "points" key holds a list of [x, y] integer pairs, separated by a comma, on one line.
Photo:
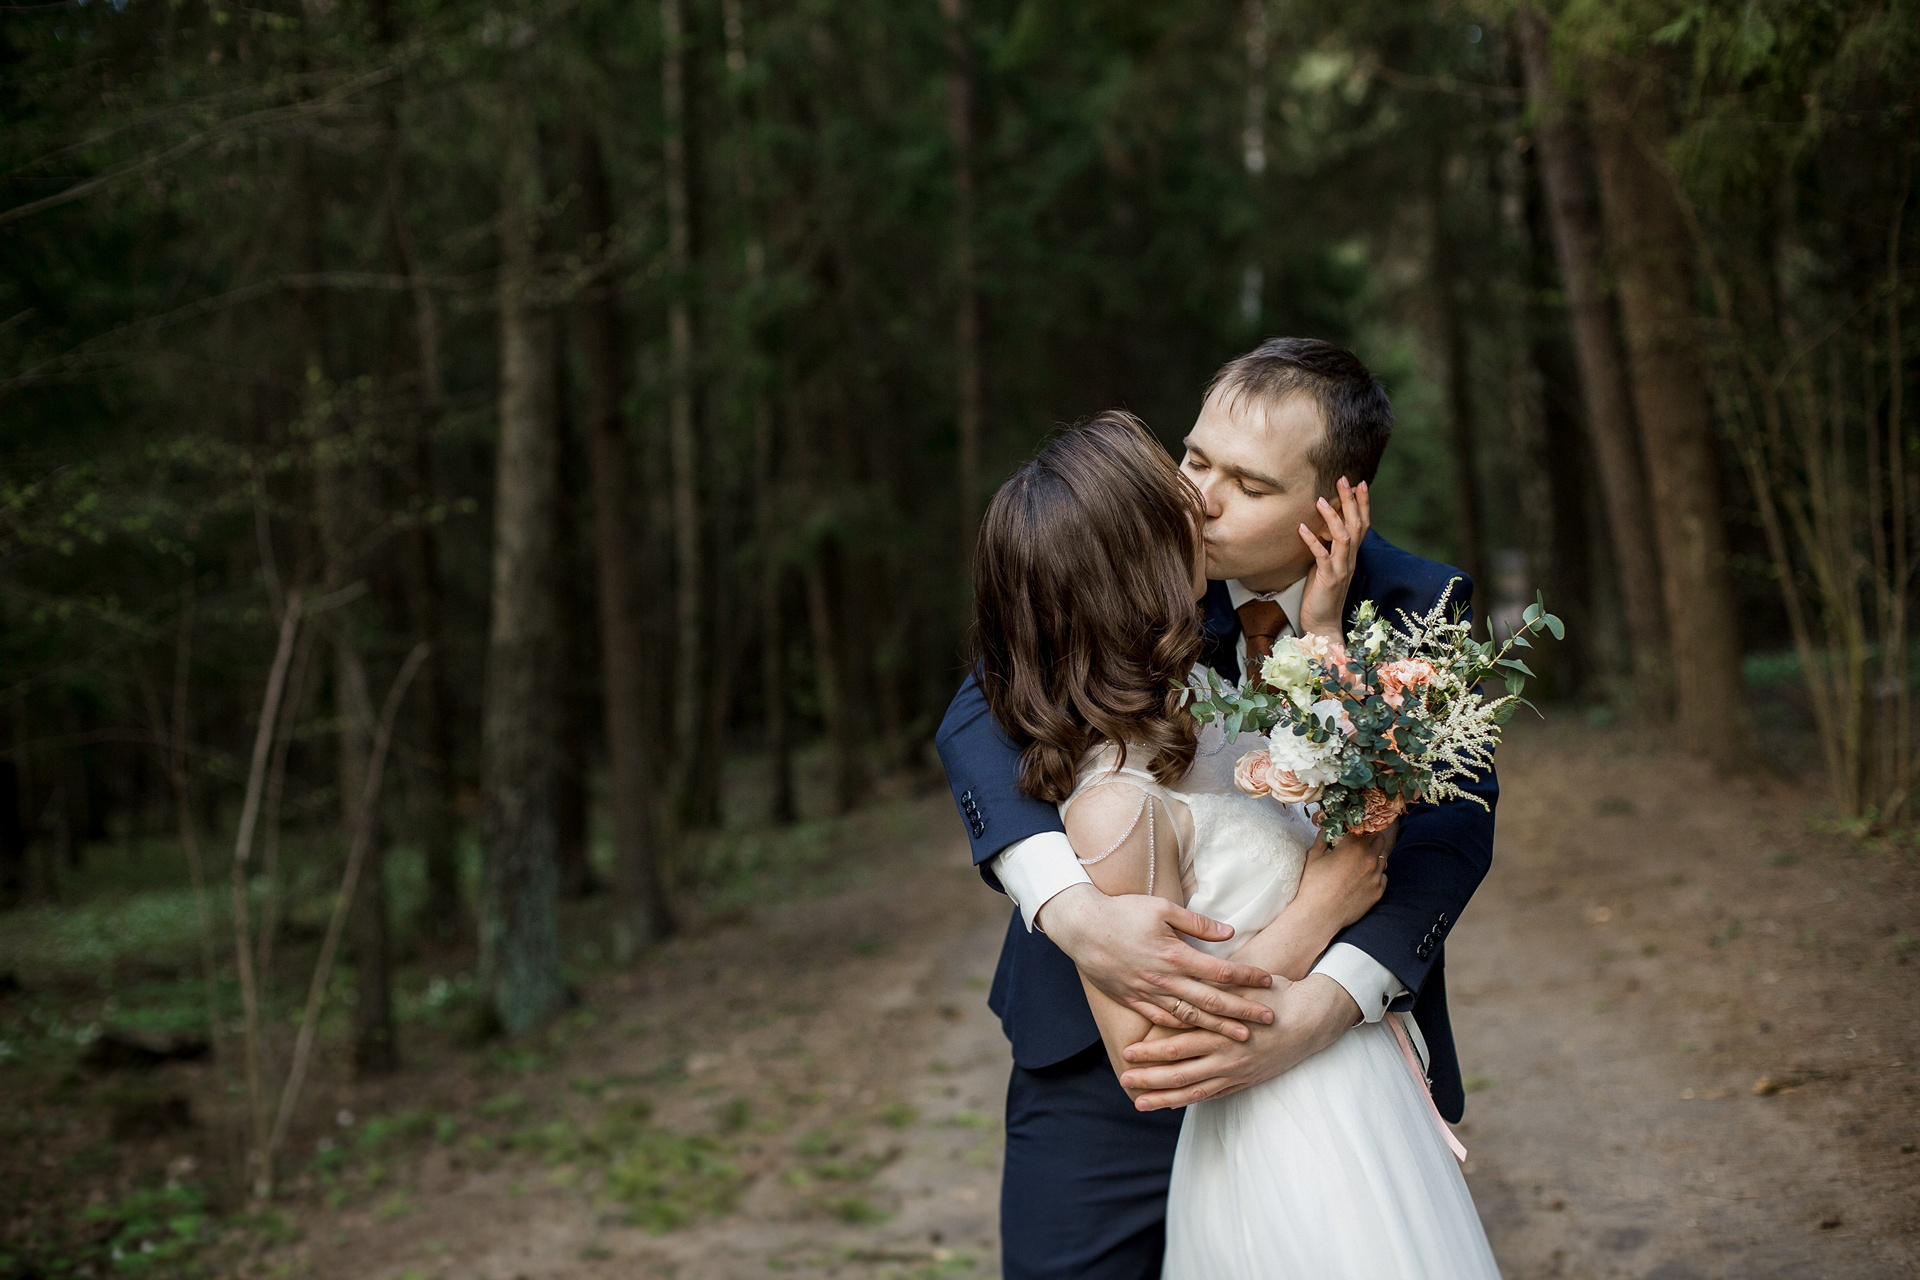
{"points": [[1196, 1065], [1134, 948]]}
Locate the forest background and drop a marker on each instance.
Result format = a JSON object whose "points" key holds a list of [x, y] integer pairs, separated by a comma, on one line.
{"points": [[443, 444]]}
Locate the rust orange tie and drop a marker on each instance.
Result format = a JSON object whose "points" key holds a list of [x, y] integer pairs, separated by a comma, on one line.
{"points": [[1262, 622]]}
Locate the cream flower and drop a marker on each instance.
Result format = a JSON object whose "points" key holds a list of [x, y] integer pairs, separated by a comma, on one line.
{"points": [[1288, 670]]}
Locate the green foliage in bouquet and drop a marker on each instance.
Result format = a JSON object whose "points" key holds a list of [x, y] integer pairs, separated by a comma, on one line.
{"points": [[1396, 717]]}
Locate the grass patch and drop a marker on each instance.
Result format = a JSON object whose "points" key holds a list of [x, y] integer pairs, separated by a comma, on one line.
{"points": [[666, 1180], [157, 1231]]}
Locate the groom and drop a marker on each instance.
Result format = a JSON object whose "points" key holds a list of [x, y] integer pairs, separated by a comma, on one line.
{"points": [[1084, 1189]]}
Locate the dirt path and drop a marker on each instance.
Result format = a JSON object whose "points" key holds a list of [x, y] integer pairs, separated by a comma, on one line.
{"points": [[1649, 946], [838, 1050]]}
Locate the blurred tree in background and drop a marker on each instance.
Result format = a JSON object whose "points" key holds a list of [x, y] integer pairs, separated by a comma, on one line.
{"points": [[651, 365]]}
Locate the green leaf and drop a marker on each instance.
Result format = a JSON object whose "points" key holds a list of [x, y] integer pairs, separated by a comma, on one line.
{"points": [[1514, 685], [1532, 612], [1554, 625]]}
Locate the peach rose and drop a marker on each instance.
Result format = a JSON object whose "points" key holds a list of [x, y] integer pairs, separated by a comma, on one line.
{"points": [[1381, 811], [1285, 786], [1321, 648], [1252, 773]]}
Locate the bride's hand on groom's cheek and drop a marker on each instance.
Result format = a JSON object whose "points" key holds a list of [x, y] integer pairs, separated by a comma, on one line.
{"points": [[1323, 603]]}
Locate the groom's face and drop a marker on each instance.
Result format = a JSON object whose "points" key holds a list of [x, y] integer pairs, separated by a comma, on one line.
{"points": [[1253, 466]]}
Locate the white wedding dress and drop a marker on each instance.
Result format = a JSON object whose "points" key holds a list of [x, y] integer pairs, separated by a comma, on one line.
{"points": [[1338, 1169]]}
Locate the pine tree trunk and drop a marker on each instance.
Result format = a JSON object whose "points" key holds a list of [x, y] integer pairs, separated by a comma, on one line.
{"points": [[831, 683], [966, 314], [772, 650], [1568, 574], [572, 790], [771, 575], [690, 686], [1648, 242], [519, 934], [642, 912], [1453, 340], [441, 915], [340, 507], [1564, 170], [13, 838]]}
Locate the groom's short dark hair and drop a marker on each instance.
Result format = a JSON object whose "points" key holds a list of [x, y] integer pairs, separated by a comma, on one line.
{"points": [[1353, 404]]}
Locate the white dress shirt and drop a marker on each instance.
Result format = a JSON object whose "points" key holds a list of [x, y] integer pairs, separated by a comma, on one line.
{"points": [[1033, 870]]}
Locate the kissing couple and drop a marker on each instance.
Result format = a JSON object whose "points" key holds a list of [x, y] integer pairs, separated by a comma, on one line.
{"points": [[1230, 1039]]}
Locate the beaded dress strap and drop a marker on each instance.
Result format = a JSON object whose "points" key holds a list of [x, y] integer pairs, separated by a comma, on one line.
{"points": [[1148, 794]]}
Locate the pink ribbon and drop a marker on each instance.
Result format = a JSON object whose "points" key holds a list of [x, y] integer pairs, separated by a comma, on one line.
{"points": [[1420, 1082]]}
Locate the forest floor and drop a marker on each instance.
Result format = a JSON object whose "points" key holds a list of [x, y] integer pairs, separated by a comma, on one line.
{"points": [[1685, 1008]]}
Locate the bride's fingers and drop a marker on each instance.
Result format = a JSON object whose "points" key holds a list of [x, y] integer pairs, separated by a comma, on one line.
{"points": [[1205, 998], [1181, 1016], [1321, 555], [1350, 508], [1155, 1014], [1366, 507], [1184, 1017]]}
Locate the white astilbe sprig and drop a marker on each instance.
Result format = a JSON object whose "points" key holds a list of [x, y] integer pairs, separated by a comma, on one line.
{"points": [[1465, 723]]}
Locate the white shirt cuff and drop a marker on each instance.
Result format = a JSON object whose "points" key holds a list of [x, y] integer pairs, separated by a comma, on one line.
{"points": [[1033, 870], [1370, 983]]}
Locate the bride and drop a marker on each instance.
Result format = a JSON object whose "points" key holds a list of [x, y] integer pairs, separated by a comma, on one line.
{"points": [[1091, 564]]}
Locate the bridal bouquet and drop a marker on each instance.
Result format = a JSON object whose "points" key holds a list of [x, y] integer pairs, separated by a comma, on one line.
{"points": [[1394, 716]]}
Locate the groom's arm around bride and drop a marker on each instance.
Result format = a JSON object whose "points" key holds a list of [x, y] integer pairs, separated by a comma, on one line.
{"points": [[1279, 427]]}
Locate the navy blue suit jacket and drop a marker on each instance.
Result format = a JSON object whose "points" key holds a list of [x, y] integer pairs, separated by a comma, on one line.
{"points": [[1442, 855]]}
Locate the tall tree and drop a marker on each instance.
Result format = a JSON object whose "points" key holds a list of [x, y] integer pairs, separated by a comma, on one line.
{"points": [[642, 910], [968, 407], [1565, 174], [773, 559], [519, 934], [693, 792], [340, 501], [1647, 240], [573, 765], [1563, 456], [436, 819], [1448, 285]]}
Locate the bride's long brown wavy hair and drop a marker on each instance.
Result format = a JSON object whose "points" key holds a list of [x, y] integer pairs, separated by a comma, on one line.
{"points": [[1084, 618]]}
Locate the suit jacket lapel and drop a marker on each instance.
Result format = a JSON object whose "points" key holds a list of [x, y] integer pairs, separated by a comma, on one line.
{"points": [[1221, 627]]}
